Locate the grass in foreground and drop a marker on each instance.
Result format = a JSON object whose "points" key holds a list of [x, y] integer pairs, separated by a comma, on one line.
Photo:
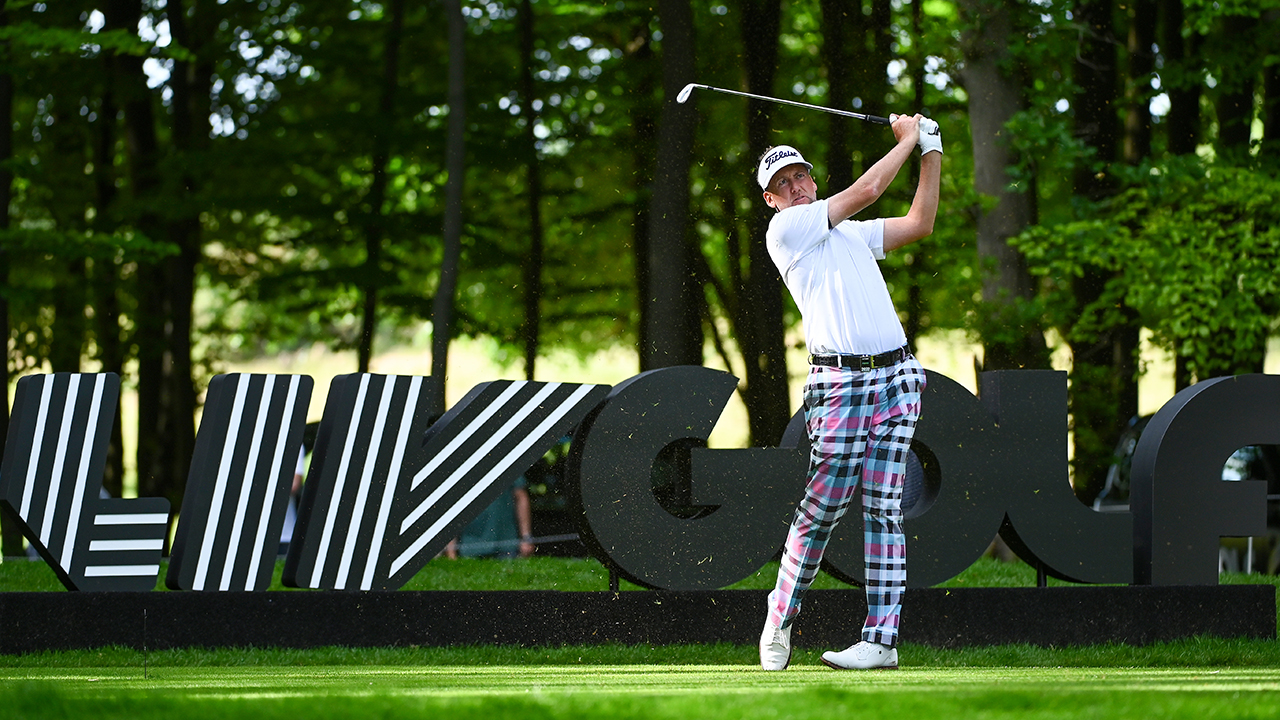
{"points": [[642, 691], [1197, 678], [1193, 652]]}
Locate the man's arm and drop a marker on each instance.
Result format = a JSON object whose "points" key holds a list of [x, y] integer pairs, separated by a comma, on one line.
{"points": [[868, 188], [918, 222]]}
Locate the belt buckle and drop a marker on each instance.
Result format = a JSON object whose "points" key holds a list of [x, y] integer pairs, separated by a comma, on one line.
{"points": [[866, 362]]}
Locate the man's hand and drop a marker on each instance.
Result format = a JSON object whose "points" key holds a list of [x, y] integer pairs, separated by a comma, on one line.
{"points": [[930, 137], [906, 128]]}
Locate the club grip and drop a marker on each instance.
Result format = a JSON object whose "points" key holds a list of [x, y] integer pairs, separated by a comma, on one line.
{"points": [[877, 119]]}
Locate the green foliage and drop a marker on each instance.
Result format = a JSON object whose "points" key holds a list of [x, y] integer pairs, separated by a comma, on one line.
{"points": [[49, 245], [282, 186], [37, 39], [1193, 248]]}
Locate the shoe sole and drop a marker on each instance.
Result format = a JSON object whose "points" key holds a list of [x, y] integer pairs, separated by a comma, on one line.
{"points": [[834, 666]]}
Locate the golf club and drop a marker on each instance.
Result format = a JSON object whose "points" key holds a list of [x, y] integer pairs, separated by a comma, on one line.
{"points": [[688, 90]]}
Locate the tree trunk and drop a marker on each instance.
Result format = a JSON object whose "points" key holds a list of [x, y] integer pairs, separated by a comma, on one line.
{"points": [[1270, 152], [1142, 63], [1103, 375], [374, 225], [106, 317], [674, 334], [643, 115], [1235, 120], [838, 18], [155, 432], [994, 96], [1183, 120], [66, 347], [1137, 149], [1235, 94], [106, 276], [759, 323], [67, 341], [455, 165], [10, 535], [918, 265], [872, 43], [1094, 103], [192, 25], [533, 177]]}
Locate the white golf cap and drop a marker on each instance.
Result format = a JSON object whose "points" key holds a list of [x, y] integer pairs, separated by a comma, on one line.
{"points": [[777, 158]]}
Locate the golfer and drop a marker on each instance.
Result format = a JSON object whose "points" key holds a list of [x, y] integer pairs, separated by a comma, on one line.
{"points": [[862, 395]]}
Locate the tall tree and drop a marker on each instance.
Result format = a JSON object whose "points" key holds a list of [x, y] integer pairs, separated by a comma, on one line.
{"points": [[674, 332], [1236, 77], [643, 123], [1180, 77], [10, 535], [374, 221], [920, 263], [759, 323], [839, 18], [1270, 152], [1013, 337], [533, 194], [1238, 70], [455, 164], [1142, 64], [1094, 104], [106, 273], [155, 458], [1140, 51], [192, 25], [1104, 389]]}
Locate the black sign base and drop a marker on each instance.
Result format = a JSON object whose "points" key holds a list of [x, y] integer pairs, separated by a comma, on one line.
{"points": [[1136, 615]]}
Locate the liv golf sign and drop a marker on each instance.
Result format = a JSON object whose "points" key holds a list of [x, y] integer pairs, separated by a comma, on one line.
{"points": [[386, 491]]}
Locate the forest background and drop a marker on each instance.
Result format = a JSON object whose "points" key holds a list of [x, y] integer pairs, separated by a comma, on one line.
{"points": [[187, 185]]}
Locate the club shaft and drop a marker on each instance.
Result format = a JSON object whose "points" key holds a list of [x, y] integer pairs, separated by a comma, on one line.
{"points": [[845, 113]]}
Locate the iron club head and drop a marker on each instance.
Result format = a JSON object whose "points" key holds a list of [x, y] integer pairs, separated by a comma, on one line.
{"points": [[685, 93]]}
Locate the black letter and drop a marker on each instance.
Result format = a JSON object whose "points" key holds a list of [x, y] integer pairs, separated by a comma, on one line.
{"points": [[1180, 504], [741, 500]]}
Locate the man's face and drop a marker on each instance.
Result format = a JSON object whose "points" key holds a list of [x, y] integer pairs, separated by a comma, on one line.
{"points": [[792, 185]]}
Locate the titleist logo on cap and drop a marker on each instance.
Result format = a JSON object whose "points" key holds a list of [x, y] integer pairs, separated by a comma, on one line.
{"points": [[778, 155], [776, 159]]}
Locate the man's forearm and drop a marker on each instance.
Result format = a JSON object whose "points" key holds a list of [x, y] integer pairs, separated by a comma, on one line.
{"points": [[919, 220], [925, 204]]}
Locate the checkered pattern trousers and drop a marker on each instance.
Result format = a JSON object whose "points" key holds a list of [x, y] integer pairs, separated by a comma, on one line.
{"points": [[860, 426]]}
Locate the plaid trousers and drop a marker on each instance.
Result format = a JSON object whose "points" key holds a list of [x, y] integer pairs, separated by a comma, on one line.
{"points": [[860, 427]]}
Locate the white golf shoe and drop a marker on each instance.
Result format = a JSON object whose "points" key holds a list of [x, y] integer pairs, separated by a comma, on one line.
{"points": [[863, 656], [775, 647]]}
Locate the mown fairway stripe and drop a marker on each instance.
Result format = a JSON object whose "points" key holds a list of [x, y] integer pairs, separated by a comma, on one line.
{"points": [[456, 681]]}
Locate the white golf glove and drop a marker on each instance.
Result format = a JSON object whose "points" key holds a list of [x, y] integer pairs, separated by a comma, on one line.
{"points": [[930, 137]]}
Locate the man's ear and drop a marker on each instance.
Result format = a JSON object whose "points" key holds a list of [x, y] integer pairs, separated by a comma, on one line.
{"points": [[768, 201]]}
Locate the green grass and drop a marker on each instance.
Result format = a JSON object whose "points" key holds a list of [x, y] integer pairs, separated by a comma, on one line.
{"points": [[1192, 652], [620, 692], [578, 574], [537, 573], [1195, 678], [544, 573]]}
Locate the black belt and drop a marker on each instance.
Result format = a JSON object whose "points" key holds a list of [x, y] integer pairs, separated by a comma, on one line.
{"points": [[862, 362]]}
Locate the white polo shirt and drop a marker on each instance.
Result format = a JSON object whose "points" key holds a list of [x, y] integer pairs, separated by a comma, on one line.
{"points": [[834, 278]]}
